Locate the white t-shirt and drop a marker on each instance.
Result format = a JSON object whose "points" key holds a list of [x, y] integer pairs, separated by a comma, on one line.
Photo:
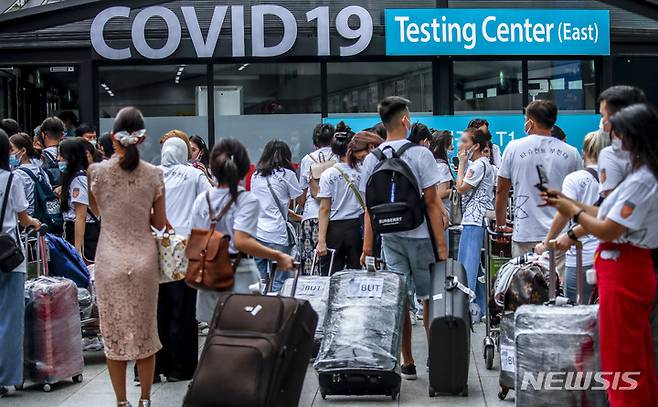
{"points": [[28, 183], [582, 187], [78, 193], [520, 159], [183, 184], [312, 206], [271, 224], [633, 204], [445, 175], [614, 166], [422, 164], [344, 203], [242, 216], [16, 204], [476, 202]]}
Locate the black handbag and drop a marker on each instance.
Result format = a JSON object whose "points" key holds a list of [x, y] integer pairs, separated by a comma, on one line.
{"points": [[11, 254]]}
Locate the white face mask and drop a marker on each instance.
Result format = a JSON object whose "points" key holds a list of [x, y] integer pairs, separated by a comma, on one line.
{"points": [[526, 129], [617, 144], [602, 131]]}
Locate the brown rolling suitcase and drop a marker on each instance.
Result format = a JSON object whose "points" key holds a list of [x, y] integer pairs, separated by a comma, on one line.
{"points": [[256, 353]]}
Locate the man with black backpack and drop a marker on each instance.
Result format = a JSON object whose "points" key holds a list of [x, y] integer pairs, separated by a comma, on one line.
{"points": [[399, 182], [52, 130]]}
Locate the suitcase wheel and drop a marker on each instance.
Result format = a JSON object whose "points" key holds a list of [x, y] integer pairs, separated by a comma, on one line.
{"points": [[465, 392], [77, 379], [503, 393], [47, 387], [323, 393], [432, 392], [394, 395], [489, 356]]}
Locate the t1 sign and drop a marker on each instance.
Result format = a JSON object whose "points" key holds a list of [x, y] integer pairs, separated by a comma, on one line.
{"points": [[205, 47]]}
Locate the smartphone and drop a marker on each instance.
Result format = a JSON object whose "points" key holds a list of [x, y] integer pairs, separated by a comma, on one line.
{"points": [[543, 180]]}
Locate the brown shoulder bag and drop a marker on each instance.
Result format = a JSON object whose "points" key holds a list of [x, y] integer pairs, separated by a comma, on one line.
{"points": [[210, 267]]}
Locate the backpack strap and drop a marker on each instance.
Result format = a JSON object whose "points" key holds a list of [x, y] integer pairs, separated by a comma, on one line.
{"points": [[594, 173], [379, 154], [29, 173], [5, 199], [276, 199], [404, 148], [351, 185], [216, 218]]}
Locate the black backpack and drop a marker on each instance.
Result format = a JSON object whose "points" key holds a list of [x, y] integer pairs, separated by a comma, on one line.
{"points": [[46, 204], [51, 168], [393, 197]]}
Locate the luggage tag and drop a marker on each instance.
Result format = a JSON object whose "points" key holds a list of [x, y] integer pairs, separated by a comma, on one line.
{"points": [[366, 287]]}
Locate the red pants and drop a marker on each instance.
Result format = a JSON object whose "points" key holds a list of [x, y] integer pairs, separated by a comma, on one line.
{"points": [[627, 288]]}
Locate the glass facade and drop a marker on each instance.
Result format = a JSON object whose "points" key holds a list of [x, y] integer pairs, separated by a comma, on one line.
{"points": [[571, 84], [169, 96], [357, 87], [487, 86]]}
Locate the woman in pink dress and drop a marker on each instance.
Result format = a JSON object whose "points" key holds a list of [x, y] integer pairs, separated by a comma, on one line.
{"points": [[129, 195]]}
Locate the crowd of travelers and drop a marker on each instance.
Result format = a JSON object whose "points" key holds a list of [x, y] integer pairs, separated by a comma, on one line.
{"points": [[603, 196]]}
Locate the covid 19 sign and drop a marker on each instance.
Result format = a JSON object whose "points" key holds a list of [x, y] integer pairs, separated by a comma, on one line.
{"points": [[497, 32]]}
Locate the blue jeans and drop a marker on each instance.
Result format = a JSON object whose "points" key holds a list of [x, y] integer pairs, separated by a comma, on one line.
{"points": [[470, 248], [572, 284], [266, 268], [12, 318]]}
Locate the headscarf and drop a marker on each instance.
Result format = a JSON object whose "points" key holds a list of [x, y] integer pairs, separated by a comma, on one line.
{"points": [[174, 152]]}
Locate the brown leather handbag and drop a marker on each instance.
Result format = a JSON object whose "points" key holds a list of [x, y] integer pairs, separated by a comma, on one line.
{"points": [[210, 266]]}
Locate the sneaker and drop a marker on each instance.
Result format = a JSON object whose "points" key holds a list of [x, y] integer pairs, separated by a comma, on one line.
{"points": [[408, 372], [419, 314]]}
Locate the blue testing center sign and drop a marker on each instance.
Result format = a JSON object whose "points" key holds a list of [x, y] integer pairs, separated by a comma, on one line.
{"points": [[497, 32]]}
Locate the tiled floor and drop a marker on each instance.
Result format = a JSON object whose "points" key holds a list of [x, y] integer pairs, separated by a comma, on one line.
{"points": [[96, 389]]}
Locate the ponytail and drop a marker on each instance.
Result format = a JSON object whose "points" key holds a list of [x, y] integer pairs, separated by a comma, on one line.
{"points": [[130, 159], [229, 163]]}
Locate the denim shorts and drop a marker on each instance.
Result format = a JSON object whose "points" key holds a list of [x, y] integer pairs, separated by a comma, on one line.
{"points": [[412, 259]]}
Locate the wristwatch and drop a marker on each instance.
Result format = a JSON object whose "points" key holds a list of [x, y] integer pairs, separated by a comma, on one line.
{"points": [[572, 235], [577, 215]]}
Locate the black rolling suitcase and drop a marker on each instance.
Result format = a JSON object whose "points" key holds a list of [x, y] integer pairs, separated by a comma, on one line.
{"points": [[359, 354], [450, 329], [256, 353]]}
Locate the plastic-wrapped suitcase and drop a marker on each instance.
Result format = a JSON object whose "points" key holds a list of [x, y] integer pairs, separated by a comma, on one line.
{"points": [[359, 354], [315, 290], [256, 353], [556, 352], [53, 339], [450, 329], [507, 355]]}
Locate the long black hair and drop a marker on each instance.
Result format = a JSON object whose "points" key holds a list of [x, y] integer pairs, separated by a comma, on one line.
{"points": [[419, 132], [341, 140], [201, 143], [105, 142], [637, 126], [229, 163], [129, 119], [440, 143], [22, 140], [276, 156], [72, 150], [5, 147]]}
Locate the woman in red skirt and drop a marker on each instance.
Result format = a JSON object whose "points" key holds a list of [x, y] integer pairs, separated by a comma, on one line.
{"points": [[627, 226]]}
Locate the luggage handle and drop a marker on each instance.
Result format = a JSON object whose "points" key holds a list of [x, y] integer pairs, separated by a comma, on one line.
{"points": [[552, 261], [294, 282], [316, 257], [42, 254]]}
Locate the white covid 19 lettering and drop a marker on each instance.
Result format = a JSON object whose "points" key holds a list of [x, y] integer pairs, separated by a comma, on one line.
{"points": [[139, 32]]}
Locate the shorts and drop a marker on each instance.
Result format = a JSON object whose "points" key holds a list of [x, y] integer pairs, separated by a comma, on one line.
{"points": [[412, 259]]}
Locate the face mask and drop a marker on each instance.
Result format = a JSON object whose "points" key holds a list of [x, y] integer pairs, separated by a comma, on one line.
{"points": [[62, 166], [408, 130], [616, 144], [602, 130], [14, 161], [526, 129], [93, 142]]}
